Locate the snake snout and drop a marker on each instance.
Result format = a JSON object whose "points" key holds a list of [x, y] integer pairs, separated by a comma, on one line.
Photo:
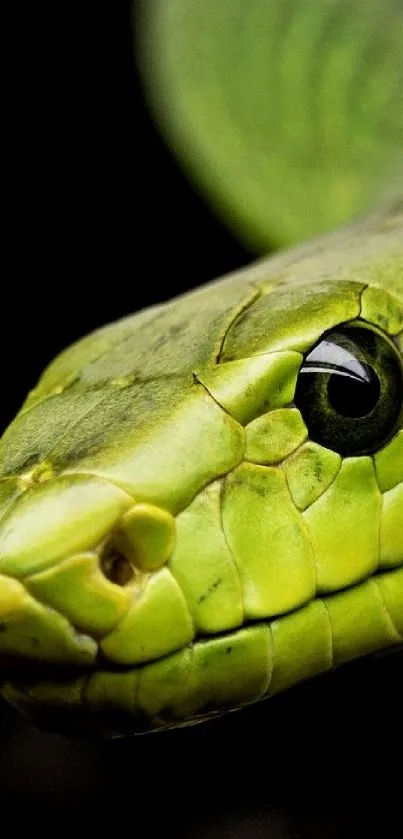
{"points": [[78, 558]]}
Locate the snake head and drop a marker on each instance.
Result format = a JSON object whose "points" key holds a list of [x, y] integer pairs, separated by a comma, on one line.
{"points": [[201, 505]]}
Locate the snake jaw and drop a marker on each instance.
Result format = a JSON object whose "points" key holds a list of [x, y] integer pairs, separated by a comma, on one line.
{"points": [[132, 623]]}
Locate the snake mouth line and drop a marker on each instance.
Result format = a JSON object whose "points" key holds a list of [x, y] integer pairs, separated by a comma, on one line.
{"points": [[213, 674], [29, 666]]}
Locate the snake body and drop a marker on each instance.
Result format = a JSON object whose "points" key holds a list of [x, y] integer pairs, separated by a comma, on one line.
{"points": [[201, 504]]}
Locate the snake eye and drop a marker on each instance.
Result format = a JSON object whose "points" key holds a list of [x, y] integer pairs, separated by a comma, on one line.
{"points": [[350, 390]]}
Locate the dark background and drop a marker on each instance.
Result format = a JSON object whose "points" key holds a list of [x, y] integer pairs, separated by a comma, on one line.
{"points": [[99, 221]]}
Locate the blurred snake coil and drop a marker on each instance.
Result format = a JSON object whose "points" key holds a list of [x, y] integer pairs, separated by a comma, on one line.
{"points": [[201, 505]]}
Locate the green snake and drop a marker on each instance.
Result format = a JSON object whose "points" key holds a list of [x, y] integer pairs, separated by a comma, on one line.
{"points": [[201, 505]]}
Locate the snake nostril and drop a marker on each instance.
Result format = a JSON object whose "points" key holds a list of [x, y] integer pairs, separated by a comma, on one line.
{"points": [[116, 567]]}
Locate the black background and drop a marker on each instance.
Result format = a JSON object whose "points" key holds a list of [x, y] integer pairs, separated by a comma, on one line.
{"points": [[99, 221]]}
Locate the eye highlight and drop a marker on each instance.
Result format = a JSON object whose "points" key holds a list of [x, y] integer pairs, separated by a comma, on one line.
{"points": [[350, 390]]}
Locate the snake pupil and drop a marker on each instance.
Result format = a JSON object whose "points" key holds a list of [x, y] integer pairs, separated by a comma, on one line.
{"points": [[354, 398], [350, 390]]}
